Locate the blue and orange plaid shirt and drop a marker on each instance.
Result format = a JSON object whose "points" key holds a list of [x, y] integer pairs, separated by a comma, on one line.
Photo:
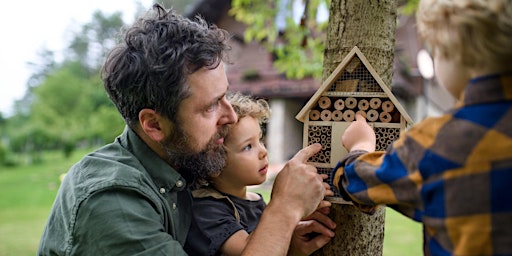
{"points": [[453, 173]]}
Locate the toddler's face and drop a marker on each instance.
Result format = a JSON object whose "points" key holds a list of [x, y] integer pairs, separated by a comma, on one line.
{"points": [[246, 161]]}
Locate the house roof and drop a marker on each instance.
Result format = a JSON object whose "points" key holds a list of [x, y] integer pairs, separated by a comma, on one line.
{"points": [[275, 86], [327, 84]]}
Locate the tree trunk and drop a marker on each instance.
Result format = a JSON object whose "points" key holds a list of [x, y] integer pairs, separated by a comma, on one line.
{"points": [[369, 25]]}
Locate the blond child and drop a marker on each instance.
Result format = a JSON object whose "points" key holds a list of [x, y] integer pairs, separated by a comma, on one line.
{"points": [[452, 173]]}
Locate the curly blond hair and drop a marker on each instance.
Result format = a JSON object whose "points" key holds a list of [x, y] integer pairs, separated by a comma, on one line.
{"points": [[245, 105], [475, 33]]}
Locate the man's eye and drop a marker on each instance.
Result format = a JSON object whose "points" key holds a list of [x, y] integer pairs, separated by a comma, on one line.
{"points": [[213, 107]]}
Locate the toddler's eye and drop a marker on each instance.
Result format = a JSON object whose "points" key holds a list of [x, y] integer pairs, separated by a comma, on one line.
{"points": [[247, 148]]}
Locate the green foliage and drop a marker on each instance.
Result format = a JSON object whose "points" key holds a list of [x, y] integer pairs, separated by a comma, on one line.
{"points": [[3, 154], [63, 104], [91, 44], [74, 108], [298, 46], [66, 105], [409, 7], [106, 125]]}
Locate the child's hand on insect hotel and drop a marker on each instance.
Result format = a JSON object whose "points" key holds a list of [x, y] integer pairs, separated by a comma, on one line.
{"points": [[359, 135]]}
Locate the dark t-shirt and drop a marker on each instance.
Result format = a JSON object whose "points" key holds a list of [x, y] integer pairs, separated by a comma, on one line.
{"points": [[215, 220]]}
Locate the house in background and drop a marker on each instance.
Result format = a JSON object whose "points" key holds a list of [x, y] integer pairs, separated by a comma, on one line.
{"points": [[252, 72]]}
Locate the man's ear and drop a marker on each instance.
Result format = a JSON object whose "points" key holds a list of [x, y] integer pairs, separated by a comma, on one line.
{"points": [[152, 124]]}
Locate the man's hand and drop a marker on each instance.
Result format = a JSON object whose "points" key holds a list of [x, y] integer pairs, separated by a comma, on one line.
{"points": [[359, 136], [312, 233], [328, 192], [298, 187], [297, 192]]}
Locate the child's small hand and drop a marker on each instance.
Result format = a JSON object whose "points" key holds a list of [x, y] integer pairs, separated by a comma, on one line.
{"points": [[359, 135]]}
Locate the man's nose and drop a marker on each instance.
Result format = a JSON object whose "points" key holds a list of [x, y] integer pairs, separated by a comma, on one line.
{"points": [[228, 114]]}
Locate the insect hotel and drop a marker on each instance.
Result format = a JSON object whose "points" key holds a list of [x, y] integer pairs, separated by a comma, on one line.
{"points": [[354, 86]]}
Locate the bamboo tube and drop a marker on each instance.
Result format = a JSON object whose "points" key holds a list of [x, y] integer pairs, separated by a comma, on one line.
{"points": [[314, 115], [351, 102], [337, 115], [375, 103], [385, 117], [324, 102], [326, 115], [363, 105], [388, 106], [339, 104], [349, 115], [372, 115]]}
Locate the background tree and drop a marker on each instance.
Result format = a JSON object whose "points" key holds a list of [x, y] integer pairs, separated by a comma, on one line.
{"points": [[65, 104], [90, 45]]}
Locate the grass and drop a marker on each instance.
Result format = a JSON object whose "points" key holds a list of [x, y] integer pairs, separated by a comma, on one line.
{"points": [[27, 193], [402, 236]]}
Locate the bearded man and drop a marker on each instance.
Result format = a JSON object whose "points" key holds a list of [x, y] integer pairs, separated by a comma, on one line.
{"points": [[132, 197]]}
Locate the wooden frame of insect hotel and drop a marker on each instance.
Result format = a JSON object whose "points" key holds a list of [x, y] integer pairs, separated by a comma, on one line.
{"points": [[354, 86]]}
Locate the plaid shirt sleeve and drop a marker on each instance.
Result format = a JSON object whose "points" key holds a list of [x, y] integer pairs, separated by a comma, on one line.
{"points": [[381, 178]]}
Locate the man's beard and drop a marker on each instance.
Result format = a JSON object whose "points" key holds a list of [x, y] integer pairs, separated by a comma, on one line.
{"points": [[196, 167]]}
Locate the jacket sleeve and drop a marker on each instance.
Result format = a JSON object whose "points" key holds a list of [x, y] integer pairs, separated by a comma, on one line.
{"points": [[390, 177], [338, 177]]}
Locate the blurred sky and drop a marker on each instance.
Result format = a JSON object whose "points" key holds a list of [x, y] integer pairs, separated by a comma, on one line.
{"points": [[31, 25]]}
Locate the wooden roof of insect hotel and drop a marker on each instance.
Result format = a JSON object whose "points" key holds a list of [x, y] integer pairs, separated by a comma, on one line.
{"points": [[349, 79]]}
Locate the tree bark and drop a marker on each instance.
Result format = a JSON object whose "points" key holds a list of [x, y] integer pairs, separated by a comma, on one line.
{"points": [[369, 25]]}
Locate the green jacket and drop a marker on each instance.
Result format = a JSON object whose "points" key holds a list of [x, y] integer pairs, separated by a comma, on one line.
{"points": [[119, 200]]}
